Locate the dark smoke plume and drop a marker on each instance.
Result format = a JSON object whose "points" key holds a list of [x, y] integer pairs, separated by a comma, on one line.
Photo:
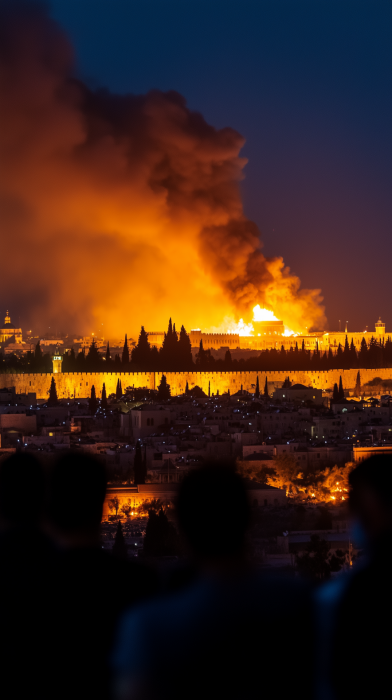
{"points": [[122, 209]]}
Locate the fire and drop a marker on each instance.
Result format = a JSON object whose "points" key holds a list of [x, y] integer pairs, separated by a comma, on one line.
{"points": [[260, 314], [242, 328], [104, 189]]}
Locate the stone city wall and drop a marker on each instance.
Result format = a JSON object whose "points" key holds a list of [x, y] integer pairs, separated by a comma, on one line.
{"points": [[79, 384]]}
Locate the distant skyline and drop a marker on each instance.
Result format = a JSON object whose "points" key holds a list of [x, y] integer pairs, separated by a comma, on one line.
{"points": [[308, 84]]}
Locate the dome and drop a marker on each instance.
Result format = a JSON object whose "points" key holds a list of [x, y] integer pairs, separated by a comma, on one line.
{"points": [[7, 321]]}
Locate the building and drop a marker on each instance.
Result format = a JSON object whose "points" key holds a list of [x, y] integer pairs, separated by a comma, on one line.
{"points": [[260, 495], [299, 393], [362, 453], [9, 331], [271, 334], [145, 420]]}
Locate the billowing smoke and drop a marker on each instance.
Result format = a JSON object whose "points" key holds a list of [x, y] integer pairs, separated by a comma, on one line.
{"points": [[120, 209]]}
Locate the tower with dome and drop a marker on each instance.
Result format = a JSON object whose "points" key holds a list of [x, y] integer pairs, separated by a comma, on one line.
{"points": [[9, 330]]}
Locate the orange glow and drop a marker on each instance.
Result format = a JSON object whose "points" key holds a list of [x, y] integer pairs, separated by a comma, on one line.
{"points": [[120, 199]]}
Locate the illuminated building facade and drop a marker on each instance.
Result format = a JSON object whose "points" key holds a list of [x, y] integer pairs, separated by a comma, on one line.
{"points": [[8, 331], [272, 334]]}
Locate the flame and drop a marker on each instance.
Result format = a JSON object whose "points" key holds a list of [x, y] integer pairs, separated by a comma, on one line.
{"points": [[260, 314], [241, 328], [108, 187]]}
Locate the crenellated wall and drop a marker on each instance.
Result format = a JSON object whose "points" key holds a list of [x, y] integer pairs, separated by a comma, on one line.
{"points": [[79, 384]]}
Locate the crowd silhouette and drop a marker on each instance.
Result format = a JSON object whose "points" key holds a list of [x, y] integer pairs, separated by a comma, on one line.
{"points": [[79, 622]]}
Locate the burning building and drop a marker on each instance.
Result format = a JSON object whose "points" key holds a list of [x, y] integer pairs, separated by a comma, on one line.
{"points": [[272, 333]]}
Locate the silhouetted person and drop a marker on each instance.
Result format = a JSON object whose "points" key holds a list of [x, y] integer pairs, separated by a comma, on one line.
{"points": [[361, 647], [229, 634], [26, 568], [94, 586]]}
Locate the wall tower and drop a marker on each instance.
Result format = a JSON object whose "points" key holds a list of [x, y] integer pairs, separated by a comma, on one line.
{"points": [[57, 362], [380, 327]]}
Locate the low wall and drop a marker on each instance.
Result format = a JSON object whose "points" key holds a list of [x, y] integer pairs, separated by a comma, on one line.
{"points": [[78, 385]]}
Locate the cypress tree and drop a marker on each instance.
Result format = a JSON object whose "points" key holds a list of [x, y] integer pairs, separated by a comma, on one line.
{"points": [[104, 401], [335, 395], [169, 352], [125, 352], [141, 353], [38, 352], [257, 391], [363, 354], [118, 390], [357, 390], [108, 358], [209, 389], [93, 403], [93, 359], [266, 394], [184, 350], [201, 356], [187, 388], [353, 353], [164, 389], [81, 361], [346, 353], [341, 390], [53, 400], [228, 358]]}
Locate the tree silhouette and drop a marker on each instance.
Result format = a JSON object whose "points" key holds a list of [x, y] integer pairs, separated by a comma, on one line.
{"points": [[341, 390], [266, 394], [184, 350], [125, 352], [38, 352], [357, 390], [164, 392], [92, 402], [228, 359], [257, 390], [104, 401], [118, 390], [53, 400], [335, 394], [142, 351], [93, 359], [169, 352], [108, 357], [114, 504]]}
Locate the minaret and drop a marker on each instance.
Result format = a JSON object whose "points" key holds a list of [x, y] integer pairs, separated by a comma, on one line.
{"points": [[57, 362], [380, 327]]}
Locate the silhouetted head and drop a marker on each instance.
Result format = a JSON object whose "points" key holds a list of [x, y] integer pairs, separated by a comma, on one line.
{"points": [[22, 490], [77, 493], [371, 495], [213, 512]]}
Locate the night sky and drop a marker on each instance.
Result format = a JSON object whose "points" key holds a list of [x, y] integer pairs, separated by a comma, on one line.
{"points": [[308, 84]]}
